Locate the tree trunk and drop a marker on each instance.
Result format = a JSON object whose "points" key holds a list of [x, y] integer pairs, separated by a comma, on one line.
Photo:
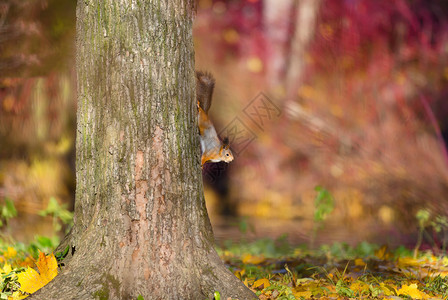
{"points": [[141, 225], [305, 25]]}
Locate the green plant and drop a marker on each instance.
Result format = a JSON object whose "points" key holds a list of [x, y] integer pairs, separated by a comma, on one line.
{"points": [[7, 211], [323, 206], [244, 226], [437, 284], [440, 225], [61, 255], [60, 214], [43, 243], [339, 282], [422, 216]]}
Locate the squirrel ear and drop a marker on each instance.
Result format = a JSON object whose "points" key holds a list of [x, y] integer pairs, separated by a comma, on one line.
{"points": [[225, 142]]}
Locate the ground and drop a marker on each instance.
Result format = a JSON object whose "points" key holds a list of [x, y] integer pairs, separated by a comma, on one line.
{"points": [[274, 269]]}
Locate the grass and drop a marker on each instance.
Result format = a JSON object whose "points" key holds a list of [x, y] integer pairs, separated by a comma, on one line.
{"points": [[336, 271], [274, 269]]}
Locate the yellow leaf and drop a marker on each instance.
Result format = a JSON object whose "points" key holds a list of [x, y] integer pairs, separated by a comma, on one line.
{"points": [[254, 260], [47, 266], [6, 268], [17, 296], [10, 253], [304, 280], [30, 281], [383, 253], [445, 261], [412, 291], [443, 274], [240, 274], [359, 262], [409, 262], [263, 283], [359, 286], [304, 294], [387, 290]]}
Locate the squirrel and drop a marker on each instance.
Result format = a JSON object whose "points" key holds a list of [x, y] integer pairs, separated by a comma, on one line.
{"points": [[213, 149]]}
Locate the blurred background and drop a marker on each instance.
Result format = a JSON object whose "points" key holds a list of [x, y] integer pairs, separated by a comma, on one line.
{"points": [[336, 110]]}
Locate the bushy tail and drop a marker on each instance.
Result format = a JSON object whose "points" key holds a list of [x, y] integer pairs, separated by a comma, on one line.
{"points": [[204, 89]]}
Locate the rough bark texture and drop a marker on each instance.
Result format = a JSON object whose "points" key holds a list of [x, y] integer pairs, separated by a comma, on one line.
{"points": [[141, 226]]}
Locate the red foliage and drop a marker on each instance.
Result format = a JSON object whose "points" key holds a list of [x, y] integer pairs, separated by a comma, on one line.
{"points": [[363, 29], [241, 17]]}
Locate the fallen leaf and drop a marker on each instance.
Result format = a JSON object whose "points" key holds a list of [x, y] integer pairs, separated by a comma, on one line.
{"points": [[304, 294], [387, 289], [261, 283], [409, 262], [239, 274], [359, 287], [6, 268], [445, 261], [412, 291], [252, 259], [28, 262], [47, 266], [245, 282], [31, 281], [10, 253], [383, 253], [17, 296], [359, 262]]}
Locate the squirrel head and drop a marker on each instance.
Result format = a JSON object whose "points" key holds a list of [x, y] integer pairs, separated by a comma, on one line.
{"points": [[225, 153]]}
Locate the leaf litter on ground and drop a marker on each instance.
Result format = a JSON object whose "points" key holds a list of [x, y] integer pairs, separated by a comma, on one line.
{"points": [[18, 279], [338, 271], [277, 270]]}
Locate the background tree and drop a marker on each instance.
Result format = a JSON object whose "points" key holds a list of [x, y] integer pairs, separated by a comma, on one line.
{"points": [[141, 226]]}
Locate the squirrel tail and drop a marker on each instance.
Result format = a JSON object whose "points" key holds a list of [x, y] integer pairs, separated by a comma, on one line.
{"points": [[204, 89]]}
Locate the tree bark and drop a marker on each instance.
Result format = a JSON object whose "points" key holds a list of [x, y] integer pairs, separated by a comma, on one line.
{"points": [[141, 226]]}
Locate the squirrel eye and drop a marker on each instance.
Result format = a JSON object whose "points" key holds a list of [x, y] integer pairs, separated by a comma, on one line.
{"points": [[227, 154]]}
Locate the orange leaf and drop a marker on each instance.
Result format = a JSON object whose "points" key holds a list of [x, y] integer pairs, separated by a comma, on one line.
{"points": [[261, 283], [28, 262], [31, 281], [47, 266]]}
